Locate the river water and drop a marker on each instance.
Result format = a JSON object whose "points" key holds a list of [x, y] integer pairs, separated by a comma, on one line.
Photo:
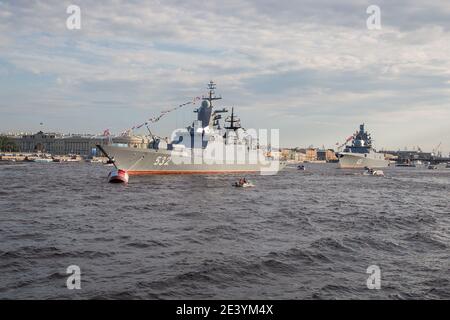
{"points": [[297, 235]]}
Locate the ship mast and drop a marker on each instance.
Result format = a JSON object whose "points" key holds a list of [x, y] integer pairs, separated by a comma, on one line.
{"points": [[204, 113], [212, 93], [215, 116], [234, 122]]}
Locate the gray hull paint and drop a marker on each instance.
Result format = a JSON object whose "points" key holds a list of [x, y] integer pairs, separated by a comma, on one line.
{"points": [[151, 161], [362, 160]]}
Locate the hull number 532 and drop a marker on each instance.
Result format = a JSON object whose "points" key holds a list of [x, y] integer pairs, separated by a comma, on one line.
{"points": [[162, 161]]}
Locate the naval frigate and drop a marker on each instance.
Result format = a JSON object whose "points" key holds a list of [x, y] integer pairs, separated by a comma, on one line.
{"points": [[360, 154], [204, 147]]}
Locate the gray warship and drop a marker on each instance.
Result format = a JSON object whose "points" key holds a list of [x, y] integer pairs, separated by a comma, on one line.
{"points": [[204, 147], [360, 153]]}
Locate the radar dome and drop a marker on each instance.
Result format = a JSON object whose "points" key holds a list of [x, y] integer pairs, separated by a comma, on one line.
{"points": [[205, 104]]}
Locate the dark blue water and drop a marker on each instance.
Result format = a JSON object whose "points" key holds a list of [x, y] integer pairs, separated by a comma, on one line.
{"points": [[298, 235]]}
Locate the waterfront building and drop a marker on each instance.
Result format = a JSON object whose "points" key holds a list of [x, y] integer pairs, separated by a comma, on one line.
{"points": [[76, 144], [326, 155], [309, 155]]}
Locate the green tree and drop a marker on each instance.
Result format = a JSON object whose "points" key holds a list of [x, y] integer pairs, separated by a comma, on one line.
{"points": [[7, 145]]}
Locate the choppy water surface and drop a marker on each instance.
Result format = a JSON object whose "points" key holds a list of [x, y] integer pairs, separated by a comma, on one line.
{"points": [[308, 234]]}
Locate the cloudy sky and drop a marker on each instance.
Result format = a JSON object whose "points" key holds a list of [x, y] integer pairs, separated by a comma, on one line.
{"points": [[310, 68]]}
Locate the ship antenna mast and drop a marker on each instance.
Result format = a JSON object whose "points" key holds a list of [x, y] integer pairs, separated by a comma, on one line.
{"points": [[234, 122], [212, 93]]}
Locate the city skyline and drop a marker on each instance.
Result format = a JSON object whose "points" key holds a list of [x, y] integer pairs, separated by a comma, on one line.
{"points": [[311, 69], [306, 146]]}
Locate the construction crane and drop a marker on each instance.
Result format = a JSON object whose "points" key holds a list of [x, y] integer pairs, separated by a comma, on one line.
{"points": [[436, 150]]}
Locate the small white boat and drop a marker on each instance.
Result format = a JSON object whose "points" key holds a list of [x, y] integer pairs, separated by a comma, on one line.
{"points": [[95, 160], [118, 176], [247, 184], [378, 173], [372, 172], [43, 160]]}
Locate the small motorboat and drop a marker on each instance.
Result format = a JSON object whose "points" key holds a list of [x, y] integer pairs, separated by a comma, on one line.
{"points": [[43, 160], [243, 184], [118, 176], [301, 167], [379, 173], [432, 167], [96, 160], [372, 172]]}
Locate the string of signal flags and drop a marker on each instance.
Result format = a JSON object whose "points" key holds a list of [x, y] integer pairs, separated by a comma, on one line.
{"points": [[157, 118]]}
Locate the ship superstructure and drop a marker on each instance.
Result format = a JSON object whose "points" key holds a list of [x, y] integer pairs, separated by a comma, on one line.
{"points": [[360, 153]]}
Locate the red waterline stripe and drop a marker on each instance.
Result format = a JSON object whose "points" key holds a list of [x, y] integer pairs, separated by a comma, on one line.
{"points": [[136, 173]]}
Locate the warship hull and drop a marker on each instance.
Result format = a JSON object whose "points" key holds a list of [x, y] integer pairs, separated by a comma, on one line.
{"points": [[204, 147], [140, 161], [362, 160]]}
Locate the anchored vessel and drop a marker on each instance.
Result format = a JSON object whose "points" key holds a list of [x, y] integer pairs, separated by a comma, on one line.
{"points": [[202, 147], [360, 153]]}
